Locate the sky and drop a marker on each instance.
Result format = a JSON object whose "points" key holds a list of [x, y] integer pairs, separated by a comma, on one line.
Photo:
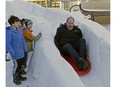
{"points": [[2, 67]]}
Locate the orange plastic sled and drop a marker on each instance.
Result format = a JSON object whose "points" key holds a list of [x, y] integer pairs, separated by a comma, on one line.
{"points": [[74, 65]]}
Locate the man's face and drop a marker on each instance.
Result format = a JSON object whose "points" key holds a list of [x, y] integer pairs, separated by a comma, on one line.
{"points": [[70, 24]]}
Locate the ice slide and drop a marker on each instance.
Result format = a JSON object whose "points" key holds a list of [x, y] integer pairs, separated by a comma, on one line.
{"points": [[47, 68]]}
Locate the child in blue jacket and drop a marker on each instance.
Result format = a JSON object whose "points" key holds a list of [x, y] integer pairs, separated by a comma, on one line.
{"points": [[16, 46]]}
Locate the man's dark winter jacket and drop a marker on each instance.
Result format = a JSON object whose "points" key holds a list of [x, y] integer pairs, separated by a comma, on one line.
{"points": [[63, 36]]}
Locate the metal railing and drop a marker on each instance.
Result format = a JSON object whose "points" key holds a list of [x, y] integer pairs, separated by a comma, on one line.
{"points": [[92, 12]]}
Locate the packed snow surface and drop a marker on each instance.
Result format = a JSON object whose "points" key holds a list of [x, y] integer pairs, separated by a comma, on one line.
{"points": [[46, 68]]}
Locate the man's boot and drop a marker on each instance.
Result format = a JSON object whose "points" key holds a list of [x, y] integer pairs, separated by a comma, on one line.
{"points": [[16, 79], [80, 65], [83, 63]]}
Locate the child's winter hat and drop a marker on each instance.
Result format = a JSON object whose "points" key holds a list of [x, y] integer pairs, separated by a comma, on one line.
{"points": [[26, 21]]}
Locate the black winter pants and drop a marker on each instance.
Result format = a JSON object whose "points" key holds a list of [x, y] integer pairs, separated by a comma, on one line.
{"points": [[18, 66], [77, 50], [25, 59]]}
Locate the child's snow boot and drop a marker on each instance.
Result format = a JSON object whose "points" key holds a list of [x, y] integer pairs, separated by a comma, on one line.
{"points": [[16, 79]]}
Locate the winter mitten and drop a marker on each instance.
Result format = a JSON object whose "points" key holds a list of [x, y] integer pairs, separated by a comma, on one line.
{"points": [[36, 38]]}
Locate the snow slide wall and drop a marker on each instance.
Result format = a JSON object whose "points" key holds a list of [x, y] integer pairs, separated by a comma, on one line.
{"points": [[47, 68]]}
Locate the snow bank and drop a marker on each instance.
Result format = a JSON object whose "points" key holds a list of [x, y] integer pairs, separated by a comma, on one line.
{"points": [[98, 48], [47, 68]]}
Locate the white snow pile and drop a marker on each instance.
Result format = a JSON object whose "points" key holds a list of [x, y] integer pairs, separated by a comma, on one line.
{"points": [[46, 66]]}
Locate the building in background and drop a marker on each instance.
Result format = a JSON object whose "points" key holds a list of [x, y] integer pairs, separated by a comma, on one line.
{"points": [[67, 4], [61, 4]]}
